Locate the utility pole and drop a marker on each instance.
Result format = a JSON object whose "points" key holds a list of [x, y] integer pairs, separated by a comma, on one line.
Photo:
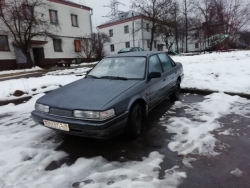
{"points": [[133, 29], [114, 9], [186, 27]]}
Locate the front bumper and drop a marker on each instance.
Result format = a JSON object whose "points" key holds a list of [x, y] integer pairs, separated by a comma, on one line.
{"points": [[92, 129]]}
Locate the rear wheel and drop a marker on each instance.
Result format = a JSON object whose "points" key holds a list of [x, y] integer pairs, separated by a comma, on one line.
{"points": [[177, 91], [135, 121]]}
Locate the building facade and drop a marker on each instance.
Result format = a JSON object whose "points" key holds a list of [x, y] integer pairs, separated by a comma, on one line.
{"points": [[74, 21], [120, 29]]}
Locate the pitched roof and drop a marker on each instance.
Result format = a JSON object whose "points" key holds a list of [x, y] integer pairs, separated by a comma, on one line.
{"points": [[121, 18], [70, 3]]}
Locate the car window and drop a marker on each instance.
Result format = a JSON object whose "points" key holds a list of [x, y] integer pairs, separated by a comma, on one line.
{"points": [[166, 62], [127, 67], [154, 64], [135, 50]]}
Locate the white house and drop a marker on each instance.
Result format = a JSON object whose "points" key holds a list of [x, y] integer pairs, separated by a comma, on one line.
{"points": [[74, 21], [120, 29]]}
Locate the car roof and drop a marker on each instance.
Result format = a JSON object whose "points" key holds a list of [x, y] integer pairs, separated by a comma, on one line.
{"points": [[136, 54]]}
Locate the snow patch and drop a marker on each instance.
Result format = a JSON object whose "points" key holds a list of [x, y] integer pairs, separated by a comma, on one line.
{"points": [[196, 135], [26, 149], [20, 71], [237, 172], [217, 71]]}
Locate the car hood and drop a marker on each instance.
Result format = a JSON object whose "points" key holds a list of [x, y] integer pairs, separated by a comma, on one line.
{"points": [[86, 94]]}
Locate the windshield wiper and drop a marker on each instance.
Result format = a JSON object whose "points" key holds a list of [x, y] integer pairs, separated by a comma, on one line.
{"points": [[115, 77], [93, 76]]}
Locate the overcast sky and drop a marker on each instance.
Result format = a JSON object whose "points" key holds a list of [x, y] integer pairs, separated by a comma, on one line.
{"points": [[100, 10]]}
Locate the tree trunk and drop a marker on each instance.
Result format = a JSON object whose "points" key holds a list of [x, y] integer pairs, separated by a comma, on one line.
{"points": [[152, 38], [30, 62]]}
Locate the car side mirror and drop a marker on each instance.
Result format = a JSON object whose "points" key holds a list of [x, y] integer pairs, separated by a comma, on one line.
{"points": [[154, 75]]}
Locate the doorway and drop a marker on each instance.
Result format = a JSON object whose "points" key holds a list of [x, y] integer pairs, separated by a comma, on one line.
{"points": [[39, 57]]}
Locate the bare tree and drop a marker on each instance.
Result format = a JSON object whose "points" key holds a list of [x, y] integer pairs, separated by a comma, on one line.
{"points": [[153, 10], [93, 45], [24, 21]]}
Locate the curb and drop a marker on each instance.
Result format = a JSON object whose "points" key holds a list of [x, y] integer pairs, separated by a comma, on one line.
{"points": [[183, 90], [209, 92]]}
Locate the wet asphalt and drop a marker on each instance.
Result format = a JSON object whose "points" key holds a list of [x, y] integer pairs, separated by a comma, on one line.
{"points": [[207, 172]]}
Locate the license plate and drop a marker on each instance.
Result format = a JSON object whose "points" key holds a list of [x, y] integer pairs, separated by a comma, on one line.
{"points": [[56, 125]]}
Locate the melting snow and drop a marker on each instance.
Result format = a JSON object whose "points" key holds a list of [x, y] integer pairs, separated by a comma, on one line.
{"points": [[195, 135], [26, 149]]}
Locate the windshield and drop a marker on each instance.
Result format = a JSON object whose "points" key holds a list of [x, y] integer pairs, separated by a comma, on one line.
{"points": [[125, 50], [122, 67]]}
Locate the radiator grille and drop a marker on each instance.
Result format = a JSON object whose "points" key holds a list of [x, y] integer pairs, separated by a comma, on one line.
{"points": [[61, 112]]}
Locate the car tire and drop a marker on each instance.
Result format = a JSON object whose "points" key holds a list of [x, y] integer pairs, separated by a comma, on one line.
{"points": [[135, 120], [177, 91]]}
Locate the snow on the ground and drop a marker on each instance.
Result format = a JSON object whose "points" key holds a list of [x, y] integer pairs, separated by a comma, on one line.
{"points": [[31, 86], [237, 172], [69, 71], [20, 71], [195, 135], [227, 71], [26, 149]]}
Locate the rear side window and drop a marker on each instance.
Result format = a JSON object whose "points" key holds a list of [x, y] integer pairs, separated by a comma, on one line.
{"points": [[154, 64], [166, 62]]}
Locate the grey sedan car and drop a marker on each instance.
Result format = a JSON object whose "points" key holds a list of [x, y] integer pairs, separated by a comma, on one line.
{"points": [[114, 98]]}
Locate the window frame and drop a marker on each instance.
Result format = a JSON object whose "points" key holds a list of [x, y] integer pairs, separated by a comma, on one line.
{"points": [[126, 31], [25, 9], [112, 45], [197, 45], [170, 60], [8, 45], [72, 23], [111, 31], [147, 27], [128, 44], [76, 50], [55, 50], [50, 16], [162, 71]]}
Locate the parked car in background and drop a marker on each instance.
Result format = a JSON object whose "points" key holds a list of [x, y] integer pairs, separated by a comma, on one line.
{"points": [[115, 97], [133, 49]]}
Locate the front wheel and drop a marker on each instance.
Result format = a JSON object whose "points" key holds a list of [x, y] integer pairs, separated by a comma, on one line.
{"points": [[134, 121], [177, 91]]}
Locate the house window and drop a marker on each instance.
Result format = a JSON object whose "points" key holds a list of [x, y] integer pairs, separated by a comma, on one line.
{"points": [[112, 48], [53, 16], [77, 45], [74, 20], [147, 27], [196, 35], [57, 45], [148, 43], [27, 11], [154, 44], [127, 44], [111, 34], [126, 29], [196, 45], [4, 44], [1, 6]]}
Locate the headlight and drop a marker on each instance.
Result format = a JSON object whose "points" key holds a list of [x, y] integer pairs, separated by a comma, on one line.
{"points": [[42, 108], [94, 115]]}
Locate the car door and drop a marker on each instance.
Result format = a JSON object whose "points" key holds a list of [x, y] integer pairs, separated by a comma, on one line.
{"points": [[169, 73], [155, 84]]}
